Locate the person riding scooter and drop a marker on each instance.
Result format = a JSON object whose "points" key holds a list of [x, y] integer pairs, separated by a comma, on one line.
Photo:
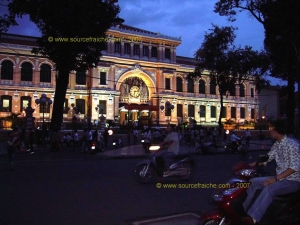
{"points": [[169, 148], [234, 139], [286, 153]]}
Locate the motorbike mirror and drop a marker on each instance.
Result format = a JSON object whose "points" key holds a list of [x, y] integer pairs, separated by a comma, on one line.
{"points": [[154, 148]]}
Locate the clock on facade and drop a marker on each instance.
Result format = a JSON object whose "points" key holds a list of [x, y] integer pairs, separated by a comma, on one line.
{"points": [[135, 91]]}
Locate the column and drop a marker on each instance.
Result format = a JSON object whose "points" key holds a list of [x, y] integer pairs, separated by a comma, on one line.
{"points": [[149, 53], [131, 49], [141, 50], [122, 47]]}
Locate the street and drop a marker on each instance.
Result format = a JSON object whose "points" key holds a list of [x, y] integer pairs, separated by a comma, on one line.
{"points": [[92, 191]]}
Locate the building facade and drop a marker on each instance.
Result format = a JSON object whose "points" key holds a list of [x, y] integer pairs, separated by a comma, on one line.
{"points": [[136, 80]]}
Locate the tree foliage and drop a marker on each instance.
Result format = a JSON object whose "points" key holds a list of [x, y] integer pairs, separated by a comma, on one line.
{"points": [[282, 39], [229, 65], [66, 19]]}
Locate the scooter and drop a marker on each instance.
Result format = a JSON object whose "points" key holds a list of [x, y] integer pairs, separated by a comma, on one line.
{"points": [[238, 147], [118, 143], [206, 148], [284, 210], [153, 166]]}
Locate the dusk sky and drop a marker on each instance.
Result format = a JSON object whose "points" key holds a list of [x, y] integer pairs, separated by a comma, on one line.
{"points": [[188, 19]]}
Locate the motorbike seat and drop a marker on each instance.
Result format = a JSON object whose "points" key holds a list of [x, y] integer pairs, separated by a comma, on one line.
{"points": [[290, 197]]}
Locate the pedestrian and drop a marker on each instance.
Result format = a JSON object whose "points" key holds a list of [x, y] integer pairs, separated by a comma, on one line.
{"points": [[85, 140], [105, 137], [135, 135], [55, 140], [75, 140], [248, 137], [128, 137], [13, 144], [147, 140], [30, 141]]}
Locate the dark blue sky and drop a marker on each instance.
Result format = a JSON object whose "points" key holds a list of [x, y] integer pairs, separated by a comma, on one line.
{"points": [[188, 19]]}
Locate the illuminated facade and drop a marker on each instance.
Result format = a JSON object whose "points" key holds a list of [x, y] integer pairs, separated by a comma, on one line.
{"points": [[137, 74]]}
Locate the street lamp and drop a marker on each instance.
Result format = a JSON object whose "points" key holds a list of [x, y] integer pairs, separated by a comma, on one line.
{"points": [[101, 124], [169, 108], [43, 101]]}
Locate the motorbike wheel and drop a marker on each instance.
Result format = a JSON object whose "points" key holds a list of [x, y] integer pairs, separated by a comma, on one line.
{"points": [[188, 173], [148, 176], [229, 149], [213, 149]]}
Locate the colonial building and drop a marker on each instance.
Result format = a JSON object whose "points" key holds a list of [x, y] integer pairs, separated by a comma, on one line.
{"points": [[139, 79]]}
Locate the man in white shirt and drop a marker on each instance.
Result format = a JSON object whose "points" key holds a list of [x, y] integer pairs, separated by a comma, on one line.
{"points": [[234, 139], [169, 147]]}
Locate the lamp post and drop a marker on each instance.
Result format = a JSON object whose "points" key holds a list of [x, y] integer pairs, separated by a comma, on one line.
{"points": [[101, 124], [169, 107], [43, 101]]}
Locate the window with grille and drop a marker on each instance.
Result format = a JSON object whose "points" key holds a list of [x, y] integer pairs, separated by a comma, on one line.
{"points": [[103, 78], [136, 50], [252, 113], [145, 50], [117, 47], [212, 88], [190, 85], [242, 112], [102, 105], [213, 112], [154, 52], [80, 78], [242, 90], [26, 71], [252, 92], [168, 83], [45, 73], [167, 53], [201, 87], [233, 112], [179, 110], [191, 111], [127, 48], [6, 105], [202, 110], [178, 84], [7, 70], [25, 102], [80, 104]]}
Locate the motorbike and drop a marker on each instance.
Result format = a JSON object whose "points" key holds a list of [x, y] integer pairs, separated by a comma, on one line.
{"points": [[152, 167], [186, 140], [118, 143], [284, 210], [206, 148], [239, 146]]}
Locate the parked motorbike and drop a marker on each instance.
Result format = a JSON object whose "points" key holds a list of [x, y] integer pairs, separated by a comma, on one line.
{"points": [[284, 210], [207, 148], [118, 143], [239, 146], [148, 169]]}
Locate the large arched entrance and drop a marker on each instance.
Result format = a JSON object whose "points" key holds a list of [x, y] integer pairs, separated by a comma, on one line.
{"points": [[135, 106]]}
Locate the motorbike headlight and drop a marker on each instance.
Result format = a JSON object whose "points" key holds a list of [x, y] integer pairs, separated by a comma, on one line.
{"points": [[142, 140], [154, 148], [114, 143], [246, 172]]}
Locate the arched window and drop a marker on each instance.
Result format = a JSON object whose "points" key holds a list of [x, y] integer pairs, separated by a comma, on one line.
{"points": [[190, 85], [26, 71], [242, 90], [7, 70], [212, 88], [232, 90], [45, 73], [178, 84], [201, 86]]}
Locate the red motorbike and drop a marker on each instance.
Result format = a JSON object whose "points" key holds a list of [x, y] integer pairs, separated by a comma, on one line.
{"points": [[284, 210]]}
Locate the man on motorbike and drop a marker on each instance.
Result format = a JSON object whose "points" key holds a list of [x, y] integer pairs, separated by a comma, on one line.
{"points": [[234, 139], [286, 153], [169, 148]]}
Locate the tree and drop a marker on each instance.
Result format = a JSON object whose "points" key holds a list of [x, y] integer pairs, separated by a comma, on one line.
{"points": [[282, 39], [66, 19], [228, 64]]}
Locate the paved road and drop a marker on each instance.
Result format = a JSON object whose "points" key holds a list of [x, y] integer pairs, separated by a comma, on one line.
{"points": [[84, 189]]}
